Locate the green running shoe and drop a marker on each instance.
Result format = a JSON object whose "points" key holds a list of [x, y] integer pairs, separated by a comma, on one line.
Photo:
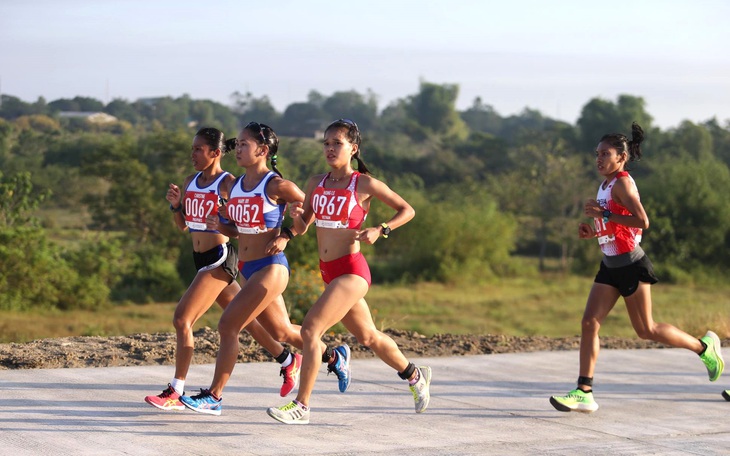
{"points": [[575, 401], [712, 357], [726, 395]]}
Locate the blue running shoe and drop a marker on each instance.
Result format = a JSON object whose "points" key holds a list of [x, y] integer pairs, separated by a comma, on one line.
{"points": [[203, 403], [341, 367]]}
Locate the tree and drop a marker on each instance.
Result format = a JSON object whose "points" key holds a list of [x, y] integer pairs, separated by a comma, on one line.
{"points": [[13, 107], [249, 108], [434, 108], [352, 105], [302, 120], [599, 117], [690, 217], [122, 110], [79, 104], [18, 199], [546, 188], [482, 117]]}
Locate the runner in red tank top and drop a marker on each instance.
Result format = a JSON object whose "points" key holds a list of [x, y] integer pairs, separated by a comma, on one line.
{"points": [[619, 219], [338, 203]]}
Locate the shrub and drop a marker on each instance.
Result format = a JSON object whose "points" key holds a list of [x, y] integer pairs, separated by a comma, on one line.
{"points": [[305, 287]]}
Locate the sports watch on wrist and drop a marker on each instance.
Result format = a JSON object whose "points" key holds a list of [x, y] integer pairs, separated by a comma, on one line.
{"points": [[606, 215], [384, 230]]}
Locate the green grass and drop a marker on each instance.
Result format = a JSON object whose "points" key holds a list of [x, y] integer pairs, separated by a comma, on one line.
{"points": [[549, 305]]}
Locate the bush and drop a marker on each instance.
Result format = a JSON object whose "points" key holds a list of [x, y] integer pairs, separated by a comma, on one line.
{"points": [[35, 273], [449, 242], [305, 287], [151, 278]]}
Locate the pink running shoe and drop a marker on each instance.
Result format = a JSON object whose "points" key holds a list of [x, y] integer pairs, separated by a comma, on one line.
{"points": [[291, 375], [167, 400]]}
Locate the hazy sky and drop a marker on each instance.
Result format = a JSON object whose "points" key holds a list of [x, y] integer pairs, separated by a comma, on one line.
{"points": [[551, 56]]}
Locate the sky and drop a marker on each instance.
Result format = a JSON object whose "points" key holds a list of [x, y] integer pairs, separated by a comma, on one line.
{"points": [[553, 57]]}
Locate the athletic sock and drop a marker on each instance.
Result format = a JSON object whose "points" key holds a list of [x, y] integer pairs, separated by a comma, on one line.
{"points": [[304, 407], [284, 357], [178, 385], [288, 361], [415, 378]]}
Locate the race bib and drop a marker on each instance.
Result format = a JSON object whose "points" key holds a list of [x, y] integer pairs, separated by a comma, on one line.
{"points": [[199, 205], [248, 214], [604, 231], [331, 208]]}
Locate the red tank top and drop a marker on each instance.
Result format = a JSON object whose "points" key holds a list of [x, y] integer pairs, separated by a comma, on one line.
{"points": [[338, 207]]}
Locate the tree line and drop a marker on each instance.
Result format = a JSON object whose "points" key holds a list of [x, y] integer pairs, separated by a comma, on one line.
{"points": [[84, 222]]}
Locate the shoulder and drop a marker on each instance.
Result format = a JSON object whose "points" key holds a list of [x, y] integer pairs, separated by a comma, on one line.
{"points": [[366, 181], [229, 179], [624, 183], [316, 179], [189, 179]]}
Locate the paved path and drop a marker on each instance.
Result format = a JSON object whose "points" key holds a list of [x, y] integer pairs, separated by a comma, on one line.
{"points": [[652, 402]]}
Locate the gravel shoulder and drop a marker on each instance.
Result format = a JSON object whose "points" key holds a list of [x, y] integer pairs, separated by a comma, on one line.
{"points": [[159, 349]]}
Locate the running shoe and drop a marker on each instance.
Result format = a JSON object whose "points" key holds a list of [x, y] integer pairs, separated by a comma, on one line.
{"points": [[291, 374], [726, 395], [291, 413], [167, 400], [341, 367], [203, 403], [712, 357], [575, 401], [420, 389]]}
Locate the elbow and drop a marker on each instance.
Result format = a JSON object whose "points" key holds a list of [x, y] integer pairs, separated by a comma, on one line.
{"points": [[645, 223], [409, 212]]}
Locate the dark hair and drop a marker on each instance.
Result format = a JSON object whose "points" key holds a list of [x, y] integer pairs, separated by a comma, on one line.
{"points": [[215, 139], [265, 135], [353, 135], [621, 143]]}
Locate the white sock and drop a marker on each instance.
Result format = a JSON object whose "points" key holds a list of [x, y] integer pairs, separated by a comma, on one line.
{"points": [[416, 378], [287, 361], [178, 385]]}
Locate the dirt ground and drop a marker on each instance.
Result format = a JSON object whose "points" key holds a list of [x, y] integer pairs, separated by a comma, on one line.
{"points": [[151, 349]]}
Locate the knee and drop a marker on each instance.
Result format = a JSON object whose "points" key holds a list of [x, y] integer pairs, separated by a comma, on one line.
{"points": [[227, 330], [590, 325], [368, 338], [310, 333], [182, 324], [646, 333]]}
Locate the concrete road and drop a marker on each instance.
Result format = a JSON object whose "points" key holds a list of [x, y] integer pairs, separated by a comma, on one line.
{"points": [[651, 402]]}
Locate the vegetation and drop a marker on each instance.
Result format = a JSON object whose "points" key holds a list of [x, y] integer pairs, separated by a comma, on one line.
{"points": [[84, 225], [549, 305]]}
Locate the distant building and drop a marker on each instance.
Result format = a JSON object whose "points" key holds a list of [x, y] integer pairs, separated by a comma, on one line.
{"points": [[91, 117]]}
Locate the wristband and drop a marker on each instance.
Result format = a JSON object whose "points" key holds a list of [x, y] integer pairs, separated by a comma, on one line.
{"points": [[176, 209], [287, 232]]}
